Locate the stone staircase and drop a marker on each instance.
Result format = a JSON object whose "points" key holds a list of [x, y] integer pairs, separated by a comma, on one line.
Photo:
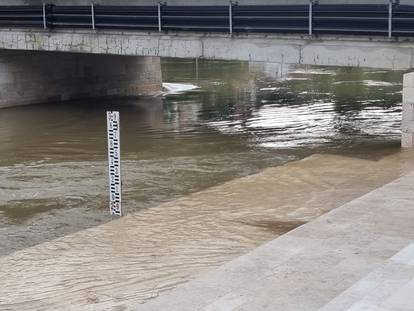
{"points": [[359, 256], [390, 287]]}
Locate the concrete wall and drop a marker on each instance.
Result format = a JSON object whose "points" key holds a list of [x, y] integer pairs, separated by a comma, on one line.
{"points": [[408, 111], [324, 50], [36, 77]]}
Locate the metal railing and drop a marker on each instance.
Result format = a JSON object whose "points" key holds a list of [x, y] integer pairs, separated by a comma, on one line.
{"points": [[389, 19]]}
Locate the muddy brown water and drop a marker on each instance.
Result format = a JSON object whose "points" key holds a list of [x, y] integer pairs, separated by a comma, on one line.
{"points": [[126, 262], [242, 119], [209, 173]]}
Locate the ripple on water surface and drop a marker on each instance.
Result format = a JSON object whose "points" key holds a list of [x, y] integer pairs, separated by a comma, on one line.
{"points": [[239, 121], [153, 250], [231, 120]]}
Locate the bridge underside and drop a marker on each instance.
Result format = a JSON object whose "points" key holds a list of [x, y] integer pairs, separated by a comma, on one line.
{"points": [[28, 77]]}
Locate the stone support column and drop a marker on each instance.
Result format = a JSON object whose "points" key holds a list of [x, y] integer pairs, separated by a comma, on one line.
{"points": [[407, 139]]}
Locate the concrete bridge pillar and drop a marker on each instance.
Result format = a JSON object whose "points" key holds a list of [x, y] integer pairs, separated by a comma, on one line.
{"points": [[28, 77], [407, 140]]}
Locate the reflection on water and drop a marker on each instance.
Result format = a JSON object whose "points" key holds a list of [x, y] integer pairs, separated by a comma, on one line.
{"points": [[242, 119], [308, 108]]}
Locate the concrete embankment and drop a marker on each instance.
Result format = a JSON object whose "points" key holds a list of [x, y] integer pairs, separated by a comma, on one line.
{"points": [[357, 257], [124, 263]]}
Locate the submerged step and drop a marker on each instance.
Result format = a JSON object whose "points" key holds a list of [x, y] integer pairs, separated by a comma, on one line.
{"points": [[308, 267]]}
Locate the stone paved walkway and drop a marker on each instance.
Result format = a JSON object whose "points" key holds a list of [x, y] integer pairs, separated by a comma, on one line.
{"points": [[357, 257]]}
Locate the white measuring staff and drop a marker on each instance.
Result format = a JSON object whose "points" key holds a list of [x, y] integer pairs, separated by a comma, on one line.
{"points": [[114, 163]]}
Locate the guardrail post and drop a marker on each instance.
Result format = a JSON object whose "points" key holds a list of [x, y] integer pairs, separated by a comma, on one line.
{"points": [[390, 12], [310, 17], [196, 68], [159, 17], [44, 16], [231, 17], [93, 15]]}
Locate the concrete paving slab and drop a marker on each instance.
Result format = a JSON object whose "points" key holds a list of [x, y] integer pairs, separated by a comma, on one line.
{"points": [[389, 287]]}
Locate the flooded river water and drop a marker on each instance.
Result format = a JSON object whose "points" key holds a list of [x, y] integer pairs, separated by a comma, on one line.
{"points": [[217, 122]]}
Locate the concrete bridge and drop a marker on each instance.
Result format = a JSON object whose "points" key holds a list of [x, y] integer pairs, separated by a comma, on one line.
{"points": [[102, 60]]}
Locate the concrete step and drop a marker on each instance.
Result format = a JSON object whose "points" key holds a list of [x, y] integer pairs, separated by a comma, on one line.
{"points": [[307, 268], [388, 288]]}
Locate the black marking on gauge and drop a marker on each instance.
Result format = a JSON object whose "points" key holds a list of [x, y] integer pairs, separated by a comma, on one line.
{"points": [[114, 163]]}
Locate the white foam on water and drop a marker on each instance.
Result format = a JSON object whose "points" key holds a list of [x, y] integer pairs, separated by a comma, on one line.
{"points": [[294, 79], [313, 72], [178, 88], [368, 83], [378, 83], [344, 82], [269, 89]]}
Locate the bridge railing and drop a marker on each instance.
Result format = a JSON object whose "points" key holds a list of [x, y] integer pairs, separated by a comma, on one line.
{"points": [[275, 18], [403, 20], [351, 19], [69, 16], [313, 19], [200, 18], [21, 16], [126, 17]]}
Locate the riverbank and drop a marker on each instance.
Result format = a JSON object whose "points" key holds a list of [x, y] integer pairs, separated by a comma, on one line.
{"points": [[126, 262], [357, 257]]}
